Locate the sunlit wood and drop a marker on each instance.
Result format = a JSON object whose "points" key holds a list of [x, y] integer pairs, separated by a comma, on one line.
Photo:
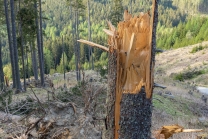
{"points": [[94, 44]]}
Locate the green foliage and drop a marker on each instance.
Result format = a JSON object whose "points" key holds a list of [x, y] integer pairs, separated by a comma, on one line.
{"points": [[117, 12], [76, 90], [72, 63], [188, 33], [47, 60], [86, 66], [8, 71], [101, 68], [62, 65], [189, 75], [196, 49], [52, 71]]}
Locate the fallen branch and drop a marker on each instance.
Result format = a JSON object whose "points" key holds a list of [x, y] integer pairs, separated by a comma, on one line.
{"points": [[38, 100], [34, 125], [158, 100]]}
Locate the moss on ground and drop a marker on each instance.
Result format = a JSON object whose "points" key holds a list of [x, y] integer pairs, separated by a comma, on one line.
{"points": [[175, 107]]}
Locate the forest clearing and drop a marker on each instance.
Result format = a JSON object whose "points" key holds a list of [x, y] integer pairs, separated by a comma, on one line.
{"points": [[181, 107]]}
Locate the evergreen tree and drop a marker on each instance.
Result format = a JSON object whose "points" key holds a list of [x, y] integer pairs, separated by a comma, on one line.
{"points": [[117, 12]]}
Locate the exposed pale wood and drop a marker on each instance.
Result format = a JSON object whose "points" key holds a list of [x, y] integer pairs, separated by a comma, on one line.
{"points": [[192, 130], [111, 27], [108, 32], [93, 44]]}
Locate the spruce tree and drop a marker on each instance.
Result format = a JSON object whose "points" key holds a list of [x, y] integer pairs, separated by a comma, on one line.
{"points": [[117, 12]]}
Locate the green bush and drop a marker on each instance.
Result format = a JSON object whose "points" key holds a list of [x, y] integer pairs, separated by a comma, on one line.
{"points": [[189, 75], [196, 49]]}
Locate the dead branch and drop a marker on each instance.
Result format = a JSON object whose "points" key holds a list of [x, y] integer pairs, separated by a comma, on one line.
{"points": [[158, 100], [94, 44], [160, 86], [108, 32], [38, 100], [33, 125]]}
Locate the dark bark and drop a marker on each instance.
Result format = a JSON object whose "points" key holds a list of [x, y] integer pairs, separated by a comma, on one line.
{"points": [[17, 76], [135, 119], [10, 43], [75, 47], [1, 70], [110, 101], [63, 51], [41, 41], [34, 62], [28, 72], [77, 53], [89, 37], [23, 61], [39, 49], [22, 51]]}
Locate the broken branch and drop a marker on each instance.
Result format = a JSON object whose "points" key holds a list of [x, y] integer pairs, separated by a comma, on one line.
{"points": [[108, 32], [94, 44], [160, 86]]}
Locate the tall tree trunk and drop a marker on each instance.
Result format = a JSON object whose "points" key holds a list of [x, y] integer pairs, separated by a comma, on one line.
{"points": [[39, 49], [1, 70], [63, 51], [135, 109], [89, 37], [78, 48], [34, 61], [41, 40], [28, 72], [10, 44], [17, 76], [22, 50], [76, 45], [111, 96]]}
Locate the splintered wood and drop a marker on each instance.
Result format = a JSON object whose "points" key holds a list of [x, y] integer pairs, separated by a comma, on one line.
{"points": [[167, 131], [134, 45], [132, 40]]}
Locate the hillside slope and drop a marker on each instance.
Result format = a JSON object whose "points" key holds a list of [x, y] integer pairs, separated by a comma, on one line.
{"points": [[185, 61]]}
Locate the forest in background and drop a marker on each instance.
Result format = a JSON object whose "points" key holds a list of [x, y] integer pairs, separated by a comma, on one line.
{"points": [[181, 23]]}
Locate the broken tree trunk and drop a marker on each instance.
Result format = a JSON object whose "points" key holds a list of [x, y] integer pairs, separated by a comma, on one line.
{"points": [[130, 76]]}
